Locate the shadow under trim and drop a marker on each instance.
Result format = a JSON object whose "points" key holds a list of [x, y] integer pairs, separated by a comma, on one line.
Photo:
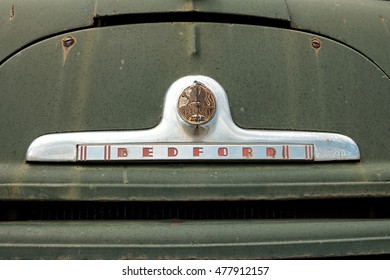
{"points": [[362, 208]]}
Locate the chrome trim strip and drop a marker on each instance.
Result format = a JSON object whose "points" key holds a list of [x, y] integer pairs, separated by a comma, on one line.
{"points": [[221, 131]]}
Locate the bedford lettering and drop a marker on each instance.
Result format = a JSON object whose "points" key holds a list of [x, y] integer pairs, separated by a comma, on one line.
{"points": [[197, 151], [147, 152], [223, 152], [172, 152]]}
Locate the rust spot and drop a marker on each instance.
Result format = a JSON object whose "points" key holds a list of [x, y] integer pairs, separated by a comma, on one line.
{"points": [[12, 13], [67, 43]]}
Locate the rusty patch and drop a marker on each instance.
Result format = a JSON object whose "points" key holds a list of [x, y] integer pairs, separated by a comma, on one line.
{"points": [[67, 43], [196, 104]]}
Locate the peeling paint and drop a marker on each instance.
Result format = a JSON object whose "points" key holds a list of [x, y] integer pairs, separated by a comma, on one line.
{"points": [[384, 24], [12, 13], [193, 40]]}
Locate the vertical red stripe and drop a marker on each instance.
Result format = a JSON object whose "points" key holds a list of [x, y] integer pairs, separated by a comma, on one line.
{"points": [[288, 152], [307, 152], [285, 152], [80, 152], [107, 152]]}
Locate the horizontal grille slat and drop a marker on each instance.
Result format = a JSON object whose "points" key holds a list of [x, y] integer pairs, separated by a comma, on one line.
{"points": [[189, 210]]}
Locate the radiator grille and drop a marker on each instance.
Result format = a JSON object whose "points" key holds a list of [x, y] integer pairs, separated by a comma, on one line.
{"points": [[206, 210]]}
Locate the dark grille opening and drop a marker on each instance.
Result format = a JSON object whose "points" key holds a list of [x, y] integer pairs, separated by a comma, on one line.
{"points": [[169, 17], [206, 210]]}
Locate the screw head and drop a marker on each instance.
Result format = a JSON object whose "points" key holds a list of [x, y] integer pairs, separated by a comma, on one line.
{"points": [[315, 43], [68, 41]]}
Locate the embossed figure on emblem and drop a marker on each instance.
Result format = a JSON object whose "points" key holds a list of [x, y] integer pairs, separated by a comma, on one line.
{"points": [[197, 104]]}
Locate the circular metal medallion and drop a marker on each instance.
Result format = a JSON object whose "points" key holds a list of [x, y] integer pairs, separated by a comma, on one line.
{"points": [[196, 104]]}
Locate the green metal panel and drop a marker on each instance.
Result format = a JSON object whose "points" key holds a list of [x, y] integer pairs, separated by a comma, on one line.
{"points": [[189, 240], [61, 72], [274, 78], [275, 9], [24, 22], [363, 25]]}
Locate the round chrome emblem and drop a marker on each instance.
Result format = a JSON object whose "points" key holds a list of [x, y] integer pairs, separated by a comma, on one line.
{"points": [[196, 104]]}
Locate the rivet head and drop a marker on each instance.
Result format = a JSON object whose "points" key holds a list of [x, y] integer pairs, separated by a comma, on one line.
{"points": [[315, 43]]}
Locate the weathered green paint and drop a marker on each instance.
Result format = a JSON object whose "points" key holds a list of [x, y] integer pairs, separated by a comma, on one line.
{"points": [[275, 9], [363, 25], [194, 181], [116, 77], [24, 22], [189, 240], [274, 79]]}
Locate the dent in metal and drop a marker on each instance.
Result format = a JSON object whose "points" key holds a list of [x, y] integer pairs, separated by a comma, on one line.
{"points": [[219, 132]]}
